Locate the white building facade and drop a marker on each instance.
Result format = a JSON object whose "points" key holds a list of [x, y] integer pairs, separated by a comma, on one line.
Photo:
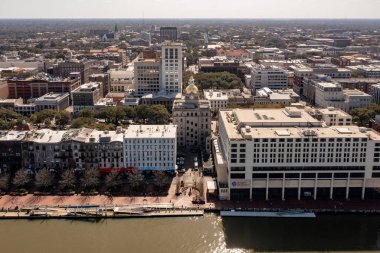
{"points": [[271, 77], [151, 147], [171, 67], [285, 153]]}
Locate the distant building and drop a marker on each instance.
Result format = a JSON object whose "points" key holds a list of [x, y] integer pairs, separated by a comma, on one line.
{"points": [[64, 69], [86, 96], [39, 85], [376, 93], [168, 33], [370, 71], [333, 95], [222, 64], [147, 76], [161, 98], [335, 117], [266, 96], [218, 99], [271, 77], [104, 79], [122, 80], [53, 101]]}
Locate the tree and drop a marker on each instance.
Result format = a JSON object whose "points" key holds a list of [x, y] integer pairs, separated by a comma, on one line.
{"points": [[4, 182], [85, 113], [218, 80], [112, 180], [21, 179], [160, 178], [159, 115], [83, 122], [67, 179], [362, 116], [90, 178], [44, 178], [10, 118], [135, 178], [44, 116], [186, 77], [62, 118]]}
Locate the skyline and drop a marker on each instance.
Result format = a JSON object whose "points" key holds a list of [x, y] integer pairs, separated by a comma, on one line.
{"points": [[171, 9]]}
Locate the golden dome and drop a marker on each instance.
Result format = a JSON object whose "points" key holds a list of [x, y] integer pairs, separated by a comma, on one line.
{"points": [[191, 88]]}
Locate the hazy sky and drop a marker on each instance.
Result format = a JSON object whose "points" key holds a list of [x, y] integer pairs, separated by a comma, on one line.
{"points": [[190, 9]]}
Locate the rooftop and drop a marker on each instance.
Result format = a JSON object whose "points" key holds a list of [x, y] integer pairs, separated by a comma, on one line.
{"points": [[52, 96], [151, 131]]}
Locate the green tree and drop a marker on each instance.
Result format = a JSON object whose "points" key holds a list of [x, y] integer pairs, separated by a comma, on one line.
{"points": [[85, 113], [159, 115], [9, 119], [219, 80], [83, 122], [362, 116], [62, 118], [45, 116]]}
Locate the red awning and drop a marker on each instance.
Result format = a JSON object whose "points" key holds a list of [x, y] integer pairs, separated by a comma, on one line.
{"points": [[108, 170]]}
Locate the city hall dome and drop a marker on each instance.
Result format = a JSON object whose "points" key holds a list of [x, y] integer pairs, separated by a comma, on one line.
{"points": [[191, 88]]}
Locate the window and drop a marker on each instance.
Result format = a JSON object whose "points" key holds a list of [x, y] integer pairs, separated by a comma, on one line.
{"points": [[238, 175]]}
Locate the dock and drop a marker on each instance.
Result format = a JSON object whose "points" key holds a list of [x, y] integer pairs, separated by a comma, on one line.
{"points": [[100, 212]]}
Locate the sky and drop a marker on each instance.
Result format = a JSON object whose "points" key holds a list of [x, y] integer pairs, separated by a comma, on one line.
{"points": [[345, 9]]}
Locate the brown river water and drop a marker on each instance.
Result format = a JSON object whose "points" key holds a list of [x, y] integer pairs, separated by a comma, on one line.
{"points": [[326, 233]]}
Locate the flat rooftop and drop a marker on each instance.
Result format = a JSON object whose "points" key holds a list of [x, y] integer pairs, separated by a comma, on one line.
{"points": [[151, 131], [278, 123], [52, 96]]}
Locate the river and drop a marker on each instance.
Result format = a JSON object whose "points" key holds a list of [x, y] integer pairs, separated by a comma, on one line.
{"points": [[346, 233]]}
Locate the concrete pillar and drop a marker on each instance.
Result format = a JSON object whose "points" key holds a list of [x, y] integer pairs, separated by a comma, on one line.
{"points": [[363, 189], [267, 190], [299, 186], [283, 187], [250, 190], [332, 187], [348, 186], [315, 186]]}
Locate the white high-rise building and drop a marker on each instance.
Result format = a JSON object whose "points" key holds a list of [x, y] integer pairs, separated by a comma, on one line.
{"points": [[171, 67]]}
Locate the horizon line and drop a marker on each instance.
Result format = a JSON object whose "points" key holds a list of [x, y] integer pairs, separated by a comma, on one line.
{"points": [[93, 18]]}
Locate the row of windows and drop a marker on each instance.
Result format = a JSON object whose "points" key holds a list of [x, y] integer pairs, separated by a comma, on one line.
{"points": [[304, 160], [303, 175]]}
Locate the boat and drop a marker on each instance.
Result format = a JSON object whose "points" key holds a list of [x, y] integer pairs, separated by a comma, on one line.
{"points": [[279, 214]]}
